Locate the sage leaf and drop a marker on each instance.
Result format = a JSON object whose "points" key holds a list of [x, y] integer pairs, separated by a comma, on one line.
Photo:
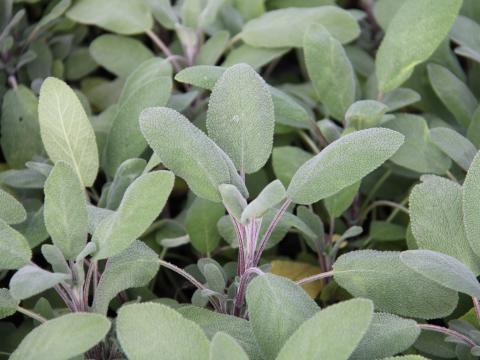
{"points": [[189, 153], [343, 163], [149, 85], [457, 147], [387, 335], [286, 160], [142, 203], [223, 346], [270, 196], [240, 117], [277, 307], [275, 28], [443, 269], [65, 210], [212, 49], [471, 204], [11, 210], [8, 305], [132, 268], [66, 131], [55, 258], [330, 70], [233, 200], [126, 17], [437, 221], [256, 57], [454, 93], [414, 33], [337, 204], [201, 224], [400, 98], [149, 330], [14, 249], [62, 338], [317, 337], [31, 280], [365, 114]]}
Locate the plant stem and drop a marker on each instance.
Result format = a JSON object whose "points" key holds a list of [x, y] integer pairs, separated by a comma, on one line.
{"points": [[381, 203], [309, 142], [448, 332], [164, 48], [239, 298], [315, 277], [476, 305], [31, 314]]}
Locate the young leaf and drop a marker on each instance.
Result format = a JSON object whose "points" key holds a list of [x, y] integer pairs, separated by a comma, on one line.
{"points": [[14, 249], [155, 331], [365, 114], [343, 163], [392, 286], [188, 152], [201, 224], [31, 280], [471, 204], [66, 216], [270, 196], [240, 117], [66, 131], [149, 85], [457, 147], [142, 203], [437, 221], [11, 210], [286, 27], [8, 305], [443, 269], [126, 17], [277, 307], [55, 258], [134, 267], [233, 200], [318, 337], [330, 70], [387, 335], [223, 346], [62, 338], [414, 33]]}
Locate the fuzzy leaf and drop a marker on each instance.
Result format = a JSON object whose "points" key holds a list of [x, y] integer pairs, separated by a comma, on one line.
{"points": [[233, 200], [149, 85], [443, 269], [142, 203], [14, 249], [11, 210], [457, 147], [189, 153], [365, 114], [8, 305], [392, 286], [330, 70], [155, 331], [66, 131], [223, 346], [63, 338], [317, 338], [437, 221], [387, 335], [414, 33], [240, 117], [132, 268], [256, 57], [65, 213], [127, 17], [286, 27], [213, 48], [55, 258], [269, 197], [343, 163], [471, 204], [337, 204], [277, 307], [286, 160], [400, 98]]}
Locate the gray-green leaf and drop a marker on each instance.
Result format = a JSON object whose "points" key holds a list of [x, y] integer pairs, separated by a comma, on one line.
{"points": [[471, 204], [11, 210], [14, 249], [456, 146], [269, 197], [8, 305], [223, 346]]}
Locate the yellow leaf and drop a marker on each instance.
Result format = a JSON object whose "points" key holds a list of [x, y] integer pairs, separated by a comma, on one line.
{"points": [[295, 270]]}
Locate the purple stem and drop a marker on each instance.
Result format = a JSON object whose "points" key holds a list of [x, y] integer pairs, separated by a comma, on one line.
{"points": [[476, 305], [448, 332], [241, 250], [239, 298]]}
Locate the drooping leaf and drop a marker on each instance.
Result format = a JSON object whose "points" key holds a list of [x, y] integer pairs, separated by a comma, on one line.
{"points": [[457, 147], [149, 330], [11, 210], [330, 70], [142, 203], [149, 85], [343, 163], [392, 286], [286, 27], [65, 211], [14, 249], [127, 17], [443, 269], [317, 338], [223, 346], [134, 267], [8, 305], [31, 280], [277, 307], [414, 33], [471, 204], [66, 131], [240, 117], [62, 338], [269, 197], [188, 152], [437, 221]]}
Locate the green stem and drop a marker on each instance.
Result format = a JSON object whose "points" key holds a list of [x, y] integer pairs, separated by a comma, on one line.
{"points": [[375, 189], [31, 314]]}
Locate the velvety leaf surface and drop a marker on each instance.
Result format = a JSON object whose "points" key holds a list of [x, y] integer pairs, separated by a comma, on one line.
{"points": [[11, 210], [269, 197], [223, 346], [14, 249], [8, 305], [471, 204], [457, 147]]}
